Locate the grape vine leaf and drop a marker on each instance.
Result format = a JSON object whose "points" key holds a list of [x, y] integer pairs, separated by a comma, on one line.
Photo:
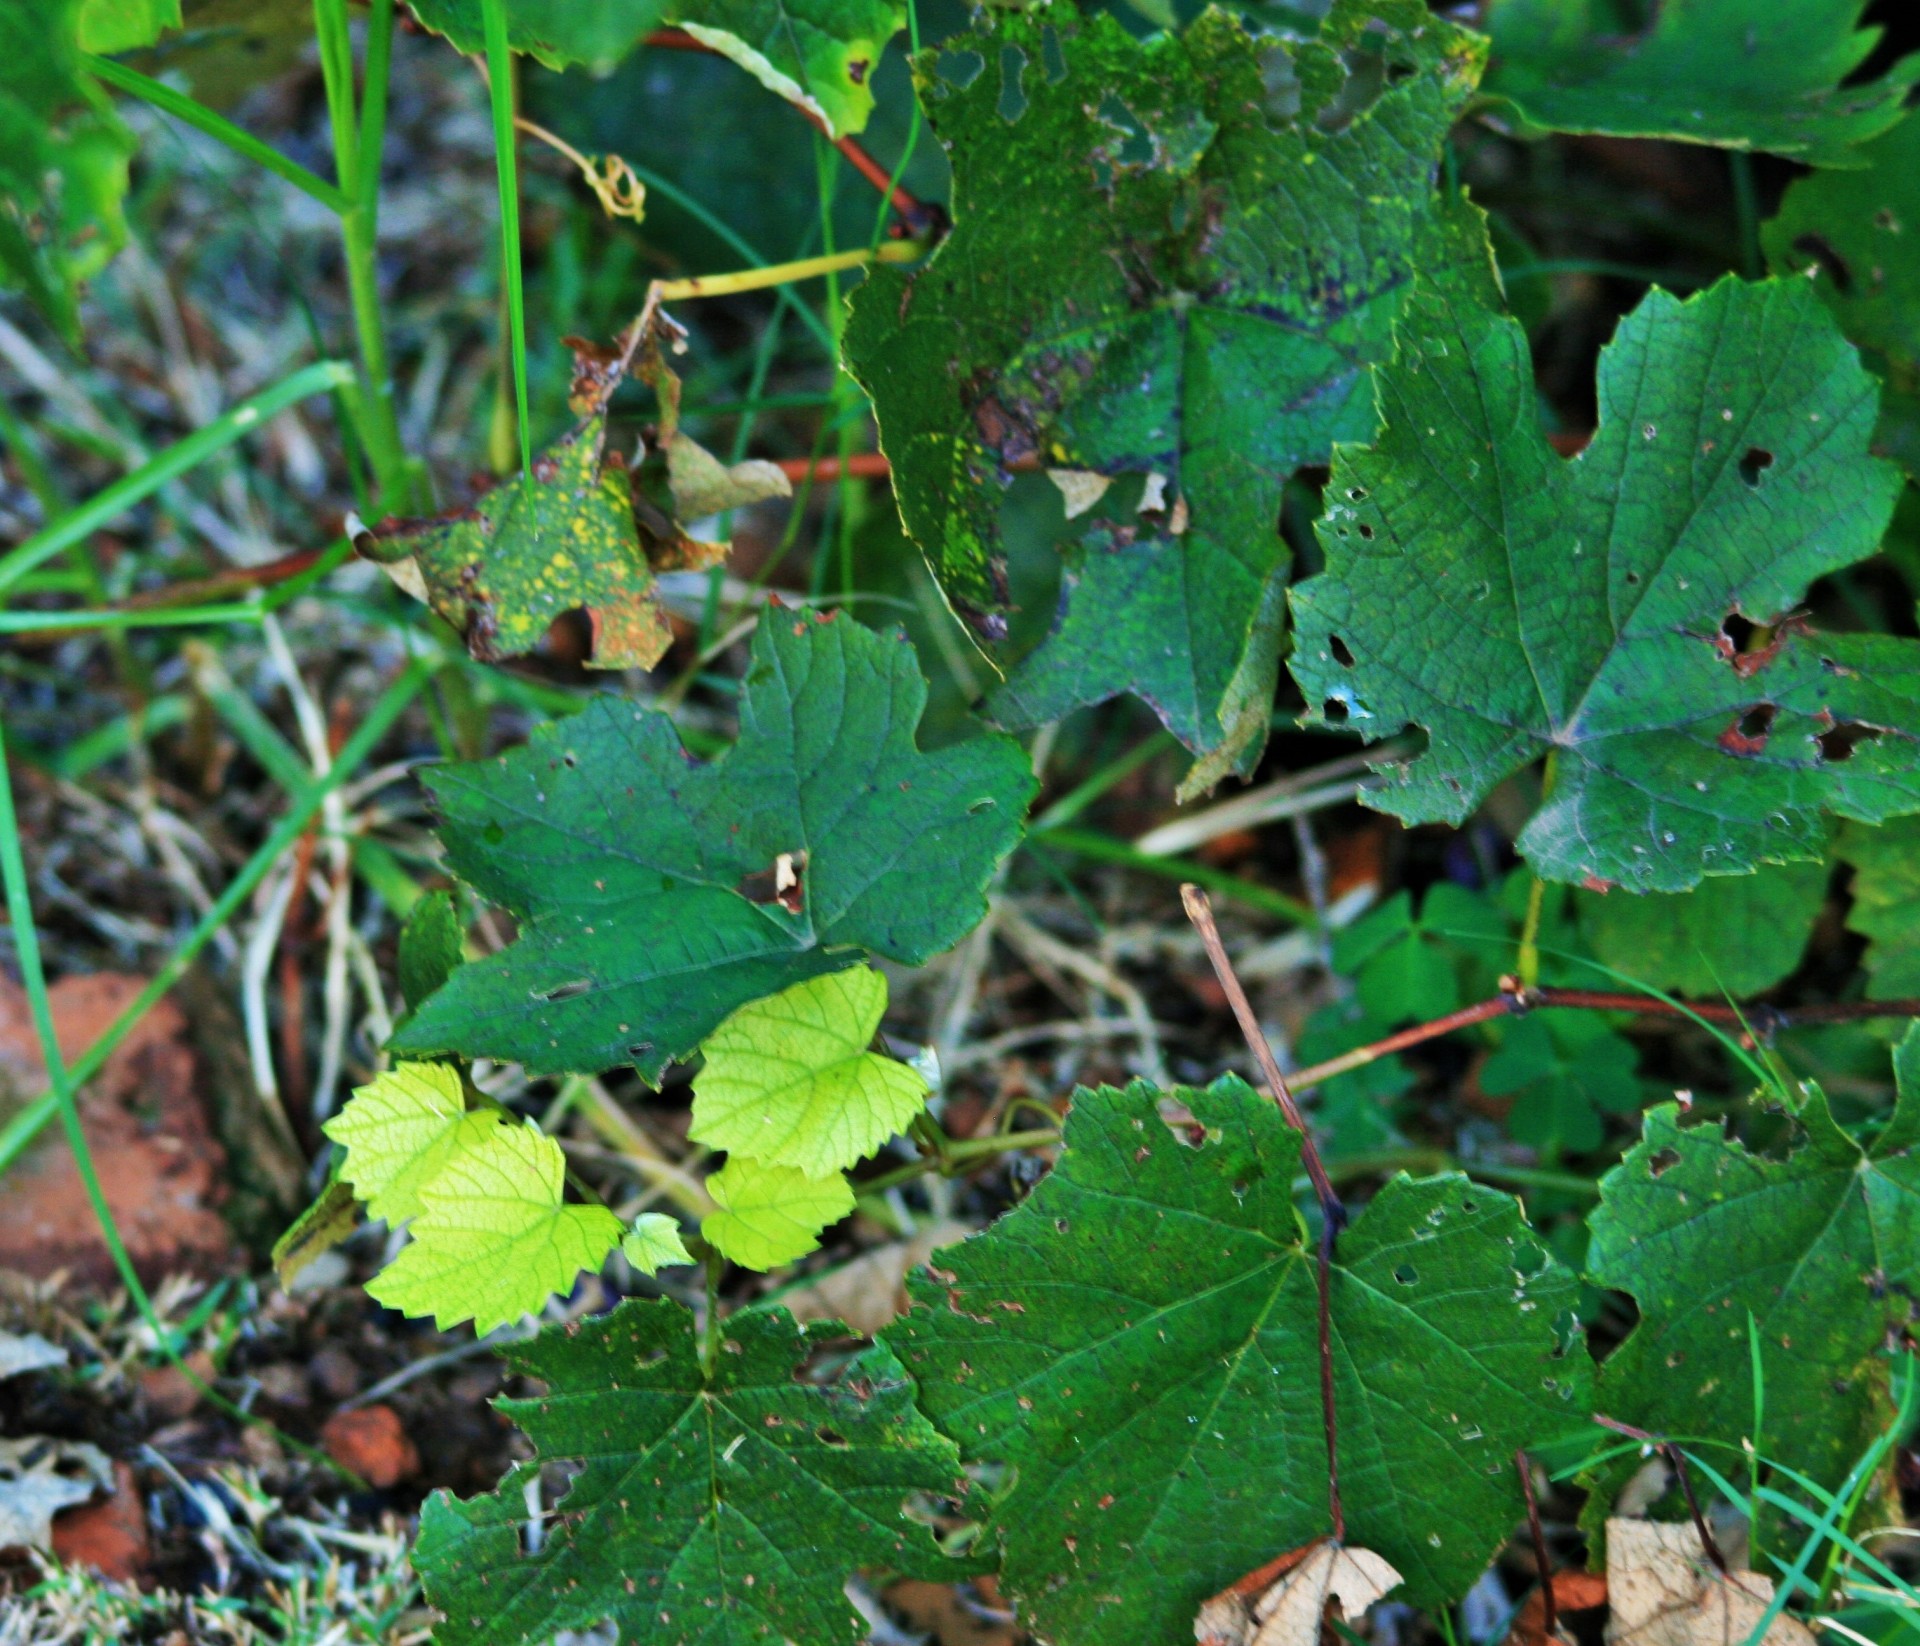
{"points": [[493, 1239], [1517, 604], [769, 1215], [1854, 234], [63, 162], [654, 1243], [109, 26], [817, 54], [1562, 1071], [709, 1508], [648, 889], [789, 1080], [1740, 74], [559, 33], [1415, 967], [1732, 935], [1154, 273], [1821, 1247], [1162, 1409], [431, 948], [1886, 903], [400, 1129], [535, 547]]}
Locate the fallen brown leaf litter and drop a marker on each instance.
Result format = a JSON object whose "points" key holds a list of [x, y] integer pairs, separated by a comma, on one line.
{"points": [[1665, 1591], [1288, 1601]]}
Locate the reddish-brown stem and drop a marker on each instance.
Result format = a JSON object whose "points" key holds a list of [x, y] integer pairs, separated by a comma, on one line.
{"points": [[1678, 1463], [1761, 1020], [860, 466], [1333, 1214], [1549, 1613], [915, 213]]}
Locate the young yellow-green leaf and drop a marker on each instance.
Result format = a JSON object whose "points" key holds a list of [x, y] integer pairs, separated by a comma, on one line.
{"points": [[653, 1243], [819, 54], [769, 1215], [493, 1240], [789, 1080], [721, 1510], [1517, 604], [108, 26], [533, 548], [1138, 1341], [400, 1129], [655, 896], [1732, 935], [1742, 74], [63, 161], [1886, 903], [1820, 1245], [595, 34], [1159, 278]]}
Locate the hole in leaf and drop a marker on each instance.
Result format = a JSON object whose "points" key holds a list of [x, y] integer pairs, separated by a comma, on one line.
{"points": [[1838, 742], [1758, 720], [829, 1437], [1738, 630], [782, 882], [1334, 712], [1832, 264], [1406, 1274], [1755, 463], [1342, 652], [1366, 531], [1663, 1162], [563, 991], [1052, 56], [960, 68], [1633, 580], [1013, 96]]}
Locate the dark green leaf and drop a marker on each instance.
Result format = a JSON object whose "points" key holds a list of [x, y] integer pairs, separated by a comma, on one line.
{"points": [[1743, 74], [533, 548], [1886, 903], [1137, 1340], [557, 32], [1563, 1071], [1161, 271], [1820, 1247], [63, 160], [1516, 604], [706, 1509], [649, 889], [432, 942], [1405, 967], [1732, 935]]}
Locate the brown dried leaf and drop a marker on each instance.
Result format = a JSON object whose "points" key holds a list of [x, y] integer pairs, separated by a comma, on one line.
{"points": [[1664, 1591], [1285, 1602]]}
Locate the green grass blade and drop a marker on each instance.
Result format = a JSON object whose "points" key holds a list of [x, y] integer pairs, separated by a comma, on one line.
{"points": [[321, 377], [506, 166]]}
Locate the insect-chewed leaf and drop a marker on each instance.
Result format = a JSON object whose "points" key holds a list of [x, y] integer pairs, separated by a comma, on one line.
{"points": [[707, 1510], [1188, 290], [533, 548], [654, 1243], [1138, 1341], [399, 1130], [1821, 1248], [63, 161], [1663, 1590], [1515, 604], [1737, 73], [819, 54], [769, 1215], [558, 32], [1886, 903], [789, 1080], [494, 1240], [657, 897]]}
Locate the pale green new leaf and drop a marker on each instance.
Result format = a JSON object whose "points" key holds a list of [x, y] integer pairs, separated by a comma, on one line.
{"points": [[494, 1239], [789, 1080], [1732, 935], [818, 54], [400, 1130], [108, 26], [1137, 1342], [769, 1215], [1517, 604], [1821, 1246], [1742, 74], [653, 1243], [705, 1508]]}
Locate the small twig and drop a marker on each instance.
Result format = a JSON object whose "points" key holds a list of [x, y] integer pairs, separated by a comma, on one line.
{"points": [[1549, 1612], [1678, 1463], [1333, 1214]]}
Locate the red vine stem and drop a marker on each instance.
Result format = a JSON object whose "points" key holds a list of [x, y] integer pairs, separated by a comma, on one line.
{"points": [[1333, 1214], [1549, 1607]]}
